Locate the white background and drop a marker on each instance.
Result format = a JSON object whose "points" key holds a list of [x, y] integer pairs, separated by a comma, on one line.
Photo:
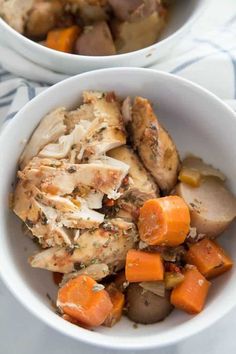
{"points": [[21, 333]]}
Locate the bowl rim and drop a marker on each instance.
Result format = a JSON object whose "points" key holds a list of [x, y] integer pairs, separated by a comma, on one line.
{"points": [[200, 7], [174, 335]]}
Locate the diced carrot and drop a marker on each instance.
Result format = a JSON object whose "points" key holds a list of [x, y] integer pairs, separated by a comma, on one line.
{"points": [[164, 221], [57, 277], [143, 266], [70, 319], [83, 299], [190, 295], [118, 301], [63, 39], [210, 259]]}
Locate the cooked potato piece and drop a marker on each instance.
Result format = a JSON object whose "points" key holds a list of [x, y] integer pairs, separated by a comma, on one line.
{"points": [[96, 40], [42, 18], [198, 165], [131, 36], [124, 8], [154, 145], [212, 206], [146, 307]]}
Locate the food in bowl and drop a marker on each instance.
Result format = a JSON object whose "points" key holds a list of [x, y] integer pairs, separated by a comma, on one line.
{"points": [[88, 27], [128, 227]]}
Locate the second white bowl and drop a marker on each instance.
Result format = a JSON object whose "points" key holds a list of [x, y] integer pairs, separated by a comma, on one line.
{"points": [[182, 16]]}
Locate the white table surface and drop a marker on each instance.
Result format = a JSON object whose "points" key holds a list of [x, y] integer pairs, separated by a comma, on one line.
{"points": [[21, 333]]}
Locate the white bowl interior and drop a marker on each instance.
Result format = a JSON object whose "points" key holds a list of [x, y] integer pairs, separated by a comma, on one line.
{"points": [[181, 17], [198, 122]]}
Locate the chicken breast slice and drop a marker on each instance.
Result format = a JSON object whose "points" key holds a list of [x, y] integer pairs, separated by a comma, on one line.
{"points": [[29, 211], [84, 112], [95, 271], [64, 179], [154, 145], [38, 209], [62, 148], [140, 179], [108, 244], [49, 130]]}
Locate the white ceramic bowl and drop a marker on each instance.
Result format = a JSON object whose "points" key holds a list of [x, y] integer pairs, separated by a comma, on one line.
{"points": [[199, 123], [182, 16]]}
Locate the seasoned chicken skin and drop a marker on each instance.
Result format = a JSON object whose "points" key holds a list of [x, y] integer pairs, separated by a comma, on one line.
{"points": [[140, 185], [154, 145], [108, 244]]}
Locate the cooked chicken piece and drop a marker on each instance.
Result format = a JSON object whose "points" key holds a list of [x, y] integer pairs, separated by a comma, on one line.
{"points": [[94, 199], [107, 127], [15, 12], [42, 18], [108, 244], [62, 148], [96, 40], [101, 138], [84, 112], [65, 178], [73, 214], [49, 130], [124, 8], [36, 208], [139, 178], [154, 145], [28, 210], [131, 36], [106, 106], [95, 271], [140, 186]]}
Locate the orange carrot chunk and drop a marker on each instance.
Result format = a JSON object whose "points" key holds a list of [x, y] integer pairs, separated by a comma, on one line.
{"points": [[70, 319], [190, 295], [63, 39], [209, 258], [118, 301], [84, 300], [164, 221], [143, 266]]}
